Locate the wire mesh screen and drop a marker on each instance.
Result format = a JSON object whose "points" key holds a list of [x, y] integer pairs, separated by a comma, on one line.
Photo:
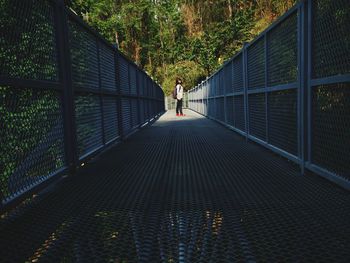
{"points": [[153, 93], [133, 85], [31, 137], [213, 86], [83, 50], [330, 38], [238, 113], [149, 87], [217, 81], [27, 40], [283, 122], [134, 113], [205, 107], [146, 109], [257, 115], [107, 68], [220, 82], [282, 44], [210, 88], [171, 103], [237, 74], [256, 65], [152, 89], [331, 126], [89, 123], [142, 111], [140, 84], [123, 75], [110, 118], [229, 111], [217, 84], [228, 78], [220, 112], [205, 90], [150, 108], [211, 109], [196, 105], [145, 87], [153, 107], [185, 100], [303, 116], [58, 94], [127, 122]]}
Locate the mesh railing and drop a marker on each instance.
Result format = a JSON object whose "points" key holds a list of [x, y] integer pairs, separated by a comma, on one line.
{"points": [[170, 102], [65, 93], [289, 89]]}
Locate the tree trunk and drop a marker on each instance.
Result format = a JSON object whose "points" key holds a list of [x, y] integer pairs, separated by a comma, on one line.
{"points": [[117, 39], [137, 53], [230, 12]]}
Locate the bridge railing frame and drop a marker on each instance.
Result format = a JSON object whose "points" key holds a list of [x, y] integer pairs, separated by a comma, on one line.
{"points": [[97, 107], [252, 110]]}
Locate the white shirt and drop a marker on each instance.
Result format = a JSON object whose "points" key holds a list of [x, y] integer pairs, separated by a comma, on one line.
{"points": [[179, 91]]}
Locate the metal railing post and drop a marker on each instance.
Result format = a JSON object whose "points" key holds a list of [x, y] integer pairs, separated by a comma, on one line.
{"points": [[130, 100], [245, 89], [207, 97], [303, 81], [100, 92], [308, 87], [138, 99], [234, 123], [224, 90], [266, 93], [119, 91], [65, 69]]}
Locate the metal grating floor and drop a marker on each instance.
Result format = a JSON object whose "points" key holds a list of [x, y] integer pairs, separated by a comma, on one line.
{"points": [[182, 190]]}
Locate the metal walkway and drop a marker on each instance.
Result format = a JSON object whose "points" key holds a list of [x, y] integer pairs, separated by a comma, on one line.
{"points": [[182, 190]]}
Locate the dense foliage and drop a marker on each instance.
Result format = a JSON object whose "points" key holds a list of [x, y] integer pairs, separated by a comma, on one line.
{"points": [[186, 38]]}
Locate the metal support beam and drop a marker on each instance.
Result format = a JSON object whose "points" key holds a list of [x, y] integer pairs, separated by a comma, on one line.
{"points": [[119, 100], [245, 89], [138, 100], [309, 76], [302, 77], [266, 93], [100, 92], [65, 68]]}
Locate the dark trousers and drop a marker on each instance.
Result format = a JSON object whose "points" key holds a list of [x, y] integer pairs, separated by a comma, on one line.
{"points": [[179, 107]]}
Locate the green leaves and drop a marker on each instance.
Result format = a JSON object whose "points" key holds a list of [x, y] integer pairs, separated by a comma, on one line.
{"points": [[189, 71], [160, 35]]}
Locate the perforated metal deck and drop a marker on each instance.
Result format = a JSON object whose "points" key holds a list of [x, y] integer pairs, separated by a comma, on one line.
{"points": [[183, 190]]}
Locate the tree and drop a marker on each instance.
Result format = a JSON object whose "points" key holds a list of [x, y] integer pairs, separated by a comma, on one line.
{"points": [[159, 33]]}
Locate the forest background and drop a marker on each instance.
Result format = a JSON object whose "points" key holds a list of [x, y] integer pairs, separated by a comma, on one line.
{"points": [[179, 38]]}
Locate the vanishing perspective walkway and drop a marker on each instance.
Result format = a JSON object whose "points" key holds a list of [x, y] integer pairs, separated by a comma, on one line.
{"points": [[182, 190]]}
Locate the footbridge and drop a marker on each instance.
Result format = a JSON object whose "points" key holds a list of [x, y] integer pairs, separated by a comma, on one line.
{"points": [[93, 168]]}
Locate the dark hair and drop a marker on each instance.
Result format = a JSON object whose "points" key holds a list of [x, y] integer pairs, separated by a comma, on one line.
{"points": [[178, 81]]}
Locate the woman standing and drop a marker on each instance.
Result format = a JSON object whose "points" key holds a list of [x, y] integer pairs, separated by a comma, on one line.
{"points": [[179, 96]]}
